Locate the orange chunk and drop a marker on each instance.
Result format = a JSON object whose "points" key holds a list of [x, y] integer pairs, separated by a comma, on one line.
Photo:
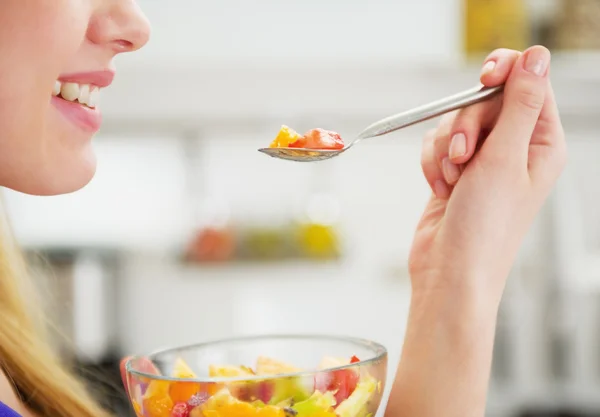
{"points": [[285, 137]]}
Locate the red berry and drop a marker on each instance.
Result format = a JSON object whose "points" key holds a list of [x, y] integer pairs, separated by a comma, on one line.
{"points": [[180, 410]]}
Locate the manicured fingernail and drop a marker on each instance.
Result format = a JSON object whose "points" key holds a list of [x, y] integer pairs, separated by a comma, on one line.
{"points": [[488, 67], [458, 146], [537, 60], [451, 171], [441, 189]]}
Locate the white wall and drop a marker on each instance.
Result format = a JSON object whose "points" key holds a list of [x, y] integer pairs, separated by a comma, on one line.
{"points": [[303, 30]]}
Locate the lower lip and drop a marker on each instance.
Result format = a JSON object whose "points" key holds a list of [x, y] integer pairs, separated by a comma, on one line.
{"points": [[84, 117]]}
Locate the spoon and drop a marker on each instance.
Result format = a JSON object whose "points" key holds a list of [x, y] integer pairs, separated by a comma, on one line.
{"points": [[391, 124]]}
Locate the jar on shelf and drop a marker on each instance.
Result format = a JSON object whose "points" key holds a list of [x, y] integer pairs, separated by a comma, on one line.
{"points": [[491, 24], [577, 27]]}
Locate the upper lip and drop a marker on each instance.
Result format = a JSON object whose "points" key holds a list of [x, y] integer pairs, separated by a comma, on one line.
{"points": [[100, 79]]}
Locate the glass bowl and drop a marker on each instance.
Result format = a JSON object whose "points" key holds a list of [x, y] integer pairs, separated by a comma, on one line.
{"points": [[261, 376]]}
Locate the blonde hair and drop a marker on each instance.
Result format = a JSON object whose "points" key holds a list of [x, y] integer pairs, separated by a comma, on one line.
{"points": [[44, 384]]}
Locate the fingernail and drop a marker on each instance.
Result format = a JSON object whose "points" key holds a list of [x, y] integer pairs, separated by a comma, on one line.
{"points": [[451, 171], [537, 60], [488, 67], [441, 189], [458, 146]]}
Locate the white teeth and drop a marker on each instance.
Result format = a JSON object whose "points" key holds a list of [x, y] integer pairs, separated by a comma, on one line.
{"points": [[93, 99], [57, 87], [70, 91], [84, 94]]}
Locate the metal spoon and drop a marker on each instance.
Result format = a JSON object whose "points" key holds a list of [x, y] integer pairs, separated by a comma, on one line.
{"points": [[391, 124]]}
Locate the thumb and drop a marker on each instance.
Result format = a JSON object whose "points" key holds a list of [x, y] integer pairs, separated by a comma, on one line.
{"points": [[524, 96]]}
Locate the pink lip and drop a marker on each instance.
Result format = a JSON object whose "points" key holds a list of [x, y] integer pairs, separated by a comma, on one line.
{"points": [[98, 78], [84, 117]]}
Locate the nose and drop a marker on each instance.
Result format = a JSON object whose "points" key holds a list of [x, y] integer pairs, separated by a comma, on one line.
{"points": [[120, 25]]}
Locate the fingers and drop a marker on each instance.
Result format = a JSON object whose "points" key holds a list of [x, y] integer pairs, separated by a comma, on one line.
{"points": [[467, 128], [497, 66], [470, 121], [431, 169], [548, 149], [441, 144], [524, 97]]}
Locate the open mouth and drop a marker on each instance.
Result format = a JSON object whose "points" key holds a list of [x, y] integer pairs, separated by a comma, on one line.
{"points": [[84, 94]]}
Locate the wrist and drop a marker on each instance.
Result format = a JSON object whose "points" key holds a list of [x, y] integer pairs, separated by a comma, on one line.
{"points": [[455, 311]]}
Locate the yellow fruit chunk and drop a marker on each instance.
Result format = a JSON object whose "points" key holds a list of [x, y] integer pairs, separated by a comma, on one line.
{"points": [[183, 391], [158, 406], [157, 401], [269, 366], [182, 370], [270, 411], [285, 137], [228, 371]]}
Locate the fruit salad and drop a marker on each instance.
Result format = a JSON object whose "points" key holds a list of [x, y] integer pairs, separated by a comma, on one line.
{"points": [[318, 393], [313, 139]]}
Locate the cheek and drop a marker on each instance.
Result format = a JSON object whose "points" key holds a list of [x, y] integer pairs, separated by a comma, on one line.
{"points": [[38, 38]]}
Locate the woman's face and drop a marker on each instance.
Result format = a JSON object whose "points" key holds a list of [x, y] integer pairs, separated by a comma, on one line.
{"points": [[55, 55]]}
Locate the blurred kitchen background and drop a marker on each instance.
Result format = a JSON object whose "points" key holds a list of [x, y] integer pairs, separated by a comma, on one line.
{"points": [[189, 234]]}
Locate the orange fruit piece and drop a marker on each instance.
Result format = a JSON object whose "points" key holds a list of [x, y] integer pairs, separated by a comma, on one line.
{"points": [[158, 406], [285, 137]]}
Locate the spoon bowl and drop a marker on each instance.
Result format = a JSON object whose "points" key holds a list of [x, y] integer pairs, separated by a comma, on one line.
{"points": [[303, 154]]}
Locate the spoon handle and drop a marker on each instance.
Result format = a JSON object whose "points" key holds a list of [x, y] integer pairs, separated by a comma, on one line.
{"points": [[429, 111]]}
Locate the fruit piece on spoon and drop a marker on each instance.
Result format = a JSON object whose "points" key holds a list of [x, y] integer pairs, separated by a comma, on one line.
{"points": [[313, 139]]}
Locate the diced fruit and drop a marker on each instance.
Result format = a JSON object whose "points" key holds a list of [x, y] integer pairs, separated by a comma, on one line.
{"points": [[319, 139], [269, 366], [342, 382], [228, 371], [157, 401], [158, 406], [318, 404], [294, 388], [197, 400], [359, 399], [354, 359], [331, 362], [182, 391], [181, 410], [284, 138], [270, 411], [182, 370]]}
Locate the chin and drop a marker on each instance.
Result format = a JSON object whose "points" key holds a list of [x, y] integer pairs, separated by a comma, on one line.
{"points": [[58, 180]]}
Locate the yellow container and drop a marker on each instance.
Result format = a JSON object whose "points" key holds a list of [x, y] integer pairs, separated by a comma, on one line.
{"points": [[491, 24]]}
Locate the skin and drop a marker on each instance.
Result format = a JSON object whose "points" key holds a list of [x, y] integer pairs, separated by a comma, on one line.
{"points": [[484, 201], [41, 151]]}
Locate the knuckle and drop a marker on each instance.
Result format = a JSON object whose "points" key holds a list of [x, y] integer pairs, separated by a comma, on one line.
{"points": [[530, 98]]}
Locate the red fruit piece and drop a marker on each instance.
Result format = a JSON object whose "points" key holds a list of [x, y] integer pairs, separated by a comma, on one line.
{"points": [[319, 139], [354, 359], [181, 410], [343, 382]]}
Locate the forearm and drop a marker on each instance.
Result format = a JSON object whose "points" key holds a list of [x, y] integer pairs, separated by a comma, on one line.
{"points": [[446, 359]]}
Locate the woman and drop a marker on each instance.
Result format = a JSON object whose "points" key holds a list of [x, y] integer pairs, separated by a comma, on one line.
{"points": [[485, 197], [45, 148]]}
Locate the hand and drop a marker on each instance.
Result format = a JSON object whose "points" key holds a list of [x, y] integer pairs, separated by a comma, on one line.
{"points": [[491, 166]]}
